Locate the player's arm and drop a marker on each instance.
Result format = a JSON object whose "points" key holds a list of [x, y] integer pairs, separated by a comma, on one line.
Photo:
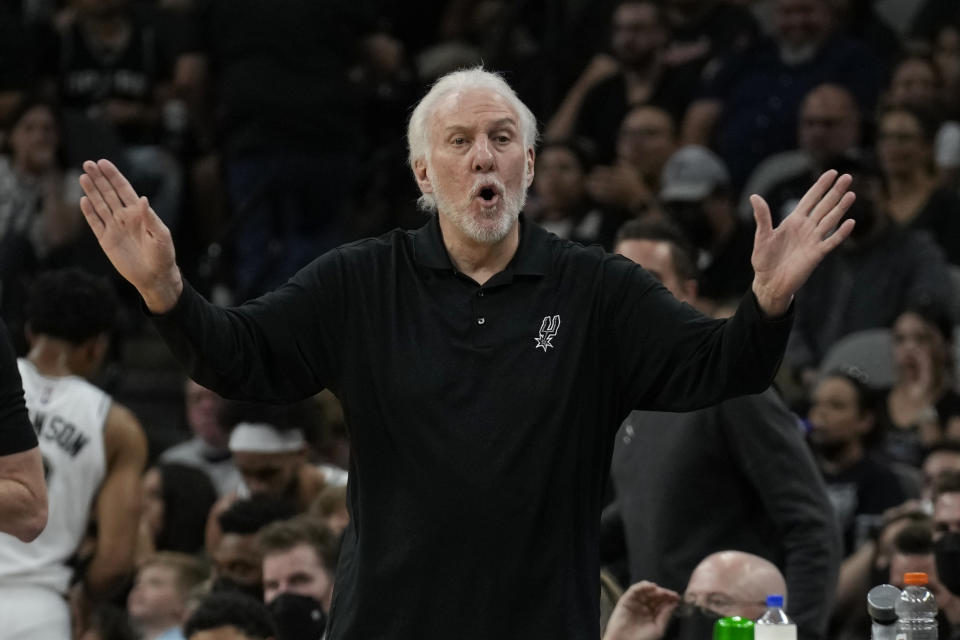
{"points": [[118, 503], [23, 491], [23, 494]]}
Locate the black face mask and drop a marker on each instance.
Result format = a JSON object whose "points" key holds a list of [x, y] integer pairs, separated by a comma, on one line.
{"points": [[946, 550], [225, 584], [297, 617], [692, 623]]}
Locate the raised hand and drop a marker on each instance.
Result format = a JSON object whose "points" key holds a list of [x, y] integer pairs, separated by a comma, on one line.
{"points": [[135, 240], [783, 258], [642, 613]]}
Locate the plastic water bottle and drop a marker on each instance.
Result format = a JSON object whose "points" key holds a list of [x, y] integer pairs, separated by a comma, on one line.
{"points": [[916, 610], [774, 623]]}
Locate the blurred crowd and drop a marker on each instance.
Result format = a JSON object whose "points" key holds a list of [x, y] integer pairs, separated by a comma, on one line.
{"points": [[265, 133]]}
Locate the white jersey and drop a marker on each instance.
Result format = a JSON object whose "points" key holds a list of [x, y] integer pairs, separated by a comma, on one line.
{"points": [[68, 414]]}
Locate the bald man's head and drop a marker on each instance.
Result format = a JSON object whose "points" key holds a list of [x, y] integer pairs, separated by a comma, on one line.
{"points": [[734, 583], [829, 123]]}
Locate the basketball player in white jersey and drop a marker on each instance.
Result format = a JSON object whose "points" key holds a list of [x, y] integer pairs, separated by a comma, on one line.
{"points": [[94, 452]]}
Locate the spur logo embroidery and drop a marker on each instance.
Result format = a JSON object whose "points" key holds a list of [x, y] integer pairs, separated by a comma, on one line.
{"points": [[548, 330]]}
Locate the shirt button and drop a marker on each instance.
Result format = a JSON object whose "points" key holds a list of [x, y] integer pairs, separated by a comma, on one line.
{"points": [[481, 320], [480, 293]]}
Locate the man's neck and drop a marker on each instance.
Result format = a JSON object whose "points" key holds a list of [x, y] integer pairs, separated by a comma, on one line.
{"points": [[51, 356], [478, 260]]}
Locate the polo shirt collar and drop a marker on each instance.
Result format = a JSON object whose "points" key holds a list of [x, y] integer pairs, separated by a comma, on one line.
{"points": [[532, 257]]}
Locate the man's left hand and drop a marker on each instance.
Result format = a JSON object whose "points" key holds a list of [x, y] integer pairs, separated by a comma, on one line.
{"points": [[783, 258]]}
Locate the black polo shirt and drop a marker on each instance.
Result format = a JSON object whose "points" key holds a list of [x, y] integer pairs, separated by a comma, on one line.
{"points": [[481, 417], [16, 432]]}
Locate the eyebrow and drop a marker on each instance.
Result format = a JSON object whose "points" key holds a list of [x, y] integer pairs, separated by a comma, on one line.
{"points": [[497, 124]]}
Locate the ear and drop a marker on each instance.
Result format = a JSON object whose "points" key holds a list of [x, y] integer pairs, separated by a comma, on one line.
{"points": [[420, 173], [531, 162]]}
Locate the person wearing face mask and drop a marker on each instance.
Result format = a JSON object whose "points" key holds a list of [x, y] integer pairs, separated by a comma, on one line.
{"points": [[946, 534], [696, 194], [880, 273], [299, 563], [726, 583]]}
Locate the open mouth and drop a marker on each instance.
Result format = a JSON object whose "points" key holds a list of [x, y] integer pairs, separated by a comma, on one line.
{"points": [[488, 196]]}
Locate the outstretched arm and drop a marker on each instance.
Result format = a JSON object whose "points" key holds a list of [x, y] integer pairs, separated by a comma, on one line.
{"points": [[134, 238]]}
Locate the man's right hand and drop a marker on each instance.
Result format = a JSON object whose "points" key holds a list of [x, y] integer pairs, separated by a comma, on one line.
{"points": [[134, 238], [642, 613]]}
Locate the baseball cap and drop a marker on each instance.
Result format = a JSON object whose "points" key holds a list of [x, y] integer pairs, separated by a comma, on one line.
{"points": [[692, 173]]}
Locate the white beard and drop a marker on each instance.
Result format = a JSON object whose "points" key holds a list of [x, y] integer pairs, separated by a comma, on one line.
{"points": [[492, 224]]}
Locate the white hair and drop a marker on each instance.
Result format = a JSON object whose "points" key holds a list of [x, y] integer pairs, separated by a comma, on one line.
{"points": [[418, 129]]}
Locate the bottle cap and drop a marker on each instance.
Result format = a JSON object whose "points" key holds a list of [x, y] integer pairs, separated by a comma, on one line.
{"points": [[882, 602], [735, 628], [917, 578], [774, 601]]}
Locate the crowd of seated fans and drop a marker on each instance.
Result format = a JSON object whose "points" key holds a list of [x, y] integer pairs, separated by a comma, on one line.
{"points": [[265, 133]]}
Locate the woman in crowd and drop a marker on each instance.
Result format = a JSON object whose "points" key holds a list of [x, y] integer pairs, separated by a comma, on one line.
{"points": [[560, 200], [176, 501], [905, 138], [922, 407], [917, 82], [39, 205]]}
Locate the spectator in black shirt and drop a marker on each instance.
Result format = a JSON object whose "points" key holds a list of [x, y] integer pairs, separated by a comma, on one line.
{"points": [[696, 194], [702, 31], [112, 67], [861, 488], [483, 365], [905, 138], [639, 35]]}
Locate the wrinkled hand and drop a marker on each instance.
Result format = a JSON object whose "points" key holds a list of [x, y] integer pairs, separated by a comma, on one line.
{"points": [[134, 238], [783, 258], [642, 613]]}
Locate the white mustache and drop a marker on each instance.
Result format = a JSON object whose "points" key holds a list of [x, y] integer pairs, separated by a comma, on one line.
{"points": [[487, 183]]}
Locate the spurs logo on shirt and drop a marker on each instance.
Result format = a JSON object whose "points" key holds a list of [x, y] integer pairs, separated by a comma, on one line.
{"points": [[548, 330]]}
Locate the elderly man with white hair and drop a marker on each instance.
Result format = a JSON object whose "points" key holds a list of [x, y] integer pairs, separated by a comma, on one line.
{"points": [[483, 364]]}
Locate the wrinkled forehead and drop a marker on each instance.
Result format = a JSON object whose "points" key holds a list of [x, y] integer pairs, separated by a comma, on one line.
{"points": [[471, 110]]}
